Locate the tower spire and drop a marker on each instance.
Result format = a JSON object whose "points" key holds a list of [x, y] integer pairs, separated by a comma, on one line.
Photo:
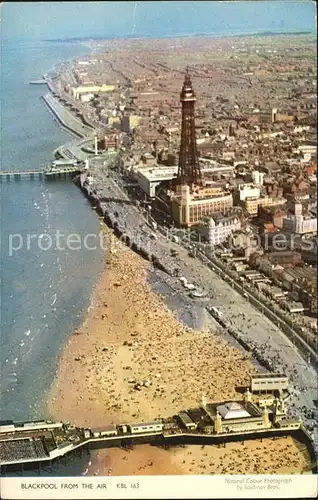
{"points": [[189, 169]]}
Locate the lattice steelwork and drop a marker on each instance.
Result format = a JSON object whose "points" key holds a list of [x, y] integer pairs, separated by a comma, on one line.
{"points": [[189, 169]]}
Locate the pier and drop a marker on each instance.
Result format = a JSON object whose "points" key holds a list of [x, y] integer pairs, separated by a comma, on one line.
{"points": [[51, 441], [49, 173], [38, 82], [37, 442], [70, 152], [17, 174]]}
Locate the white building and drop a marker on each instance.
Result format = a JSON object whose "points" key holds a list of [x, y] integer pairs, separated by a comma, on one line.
{"points": [[228, 155], [218, 229], [269, 382], [86, 97], [258, 177], [248, 191], [232, 410], [91, 89], [301, 128], [299, 224], [211, 167], [308, 147], [306, 158], [149, 178]]}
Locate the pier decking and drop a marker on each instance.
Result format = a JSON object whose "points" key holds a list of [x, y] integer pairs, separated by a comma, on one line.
{"points": [[15, 174], [38, 82], [47, 443], [38, 174], [35, 450], [25, 443]]}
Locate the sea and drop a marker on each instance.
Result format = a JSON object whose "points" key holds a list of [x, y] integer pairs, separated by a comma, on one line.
{"points": [[45, 287]]}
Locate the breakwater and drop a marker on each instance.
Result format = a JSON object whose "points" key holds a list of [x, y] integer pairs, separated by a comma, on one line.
{"points": [[65, 117]]}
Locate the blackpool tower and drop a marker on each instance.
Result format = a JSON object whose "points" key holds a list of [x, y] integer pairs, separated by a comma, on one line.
{"points": [[189, 168]]}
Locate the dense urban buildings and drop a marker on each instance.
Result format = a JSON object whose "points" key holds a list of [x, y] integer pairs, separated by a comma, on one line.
{"points": [[235, 161]]}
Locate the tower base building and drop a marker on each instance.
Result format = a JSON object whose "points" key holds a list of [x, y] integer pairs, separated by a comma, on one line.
{"points": [[190, 204], [191, 199]]}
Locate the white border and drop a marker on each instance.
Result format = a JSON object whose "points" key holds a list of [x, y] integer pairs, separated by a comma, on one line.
{"points": [[153, 487]]}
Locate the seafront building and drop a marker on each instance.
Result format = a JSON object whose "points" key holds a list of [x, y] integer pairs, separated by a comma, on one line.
{"points": [[252, 204], [190, 198], [149, 178], [298, 223], [150, 175], [82, 90], [216, 230], [190, 204]]}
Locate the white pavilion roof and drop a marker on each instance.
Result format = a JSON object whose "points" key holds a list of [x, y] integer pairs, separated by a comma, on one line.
{"points": [[232, 410]]}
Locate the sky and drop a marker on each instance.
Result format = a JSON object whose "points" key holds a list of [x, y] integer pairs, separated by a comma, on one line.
{"points": [[46, 20]]}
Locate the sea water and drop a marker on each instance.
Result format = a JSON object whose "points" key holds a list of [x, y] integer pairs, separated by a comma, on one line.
{"points": [[44, 292]]}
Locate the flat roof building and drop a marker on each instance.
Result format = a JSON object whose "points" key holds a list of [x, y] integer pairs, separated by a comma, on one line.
{"points": [[63, 162], [149, 178], [269, 382], [91, 89], [186, 421]]}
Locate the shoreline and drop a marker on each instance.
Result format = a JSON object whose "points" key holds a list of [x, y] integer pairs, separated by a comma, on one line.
{"points": [[52, 104], [60, 120], [129, 333], [125, 274], [194, 35]]}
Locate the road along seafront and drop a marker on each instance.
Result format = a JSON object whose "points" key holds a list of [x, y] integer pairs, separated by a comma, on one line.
{"points": [[66, 118], [131, 336], [266, 339]]}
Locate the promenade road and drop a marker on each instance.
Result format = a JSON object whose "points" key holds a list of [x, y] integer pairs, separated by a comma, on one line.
{"points": [[67, 118], [255, 325]]}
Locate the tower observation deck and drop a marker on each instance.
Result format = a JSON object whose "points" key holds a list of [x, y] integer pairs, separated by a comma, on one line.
{"points": [[189, 169]]}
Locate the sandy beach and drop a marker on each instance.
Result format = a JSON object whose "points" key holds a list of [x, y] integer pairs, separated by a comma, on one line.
{"points": [[130, 336], [251, 457]]}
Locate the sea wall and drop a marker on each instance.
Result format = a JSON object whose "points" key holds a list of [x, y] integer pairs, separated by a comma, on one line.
{"points": [[74, 125], [141, 246]]}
